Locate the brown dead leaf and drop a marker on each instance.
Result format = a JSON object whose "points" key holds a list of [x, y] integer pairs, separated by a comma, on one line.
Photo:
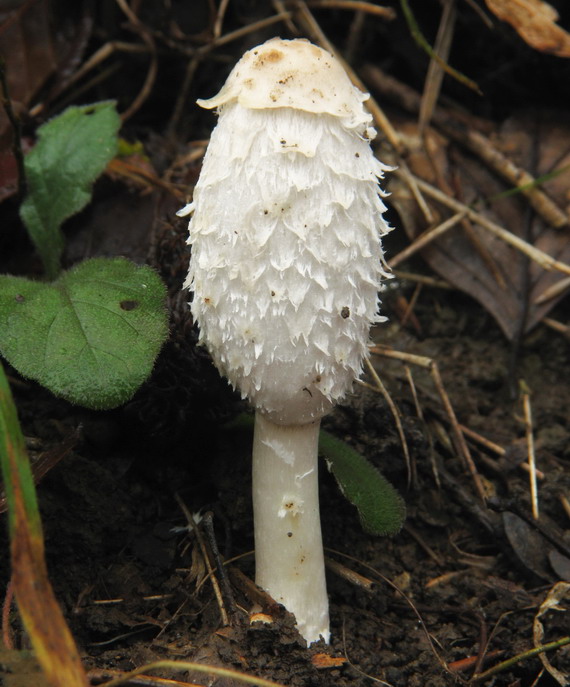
{"points": [[467, 255], [535, 22], [322, 661], [36, 46]]}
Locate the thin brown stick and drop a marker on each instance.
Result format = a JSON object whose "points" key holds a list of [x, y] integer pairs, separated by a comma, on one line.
{"points": [[246, 30], [414, 391], [546, 261], [426, 238], [435, 73], [280, 9], [495, 448], [460, 443], [459, 438], [182, 95], [422, 279], [553, 291], [518, 177], [350, 575], [557, 326], [211, 574], [565, 504], [468, 136], [355, 6], [152, 71], [217, 30], [487, 443], [395, 413], [410, 181], [409, 312], [531, 453]]}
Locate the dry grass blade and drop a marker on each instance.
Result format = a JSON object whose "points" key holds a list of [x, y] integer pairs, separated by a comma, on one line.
{"points": [[355, 6], [406, 598], [546, 261], [531, 454], [211, 574], [460, 443], [421, 279], [395, 414], [427, 237], [217, 30], [434, 78], [150, 78], [190, 666], [350, 575], [520, 178], [553, 292]]}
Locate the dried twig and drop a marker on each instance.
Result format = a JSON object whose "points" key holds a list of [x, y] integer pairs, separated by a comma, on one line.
{"points": [[356, 6], [217, 30], [468, 136], [427, 237], [152, 71], [531, 454], [422, 279], [350, 575], [211, 574], [546, 261], [553, 291], [435, 71], [431, 365], [395, 413]]}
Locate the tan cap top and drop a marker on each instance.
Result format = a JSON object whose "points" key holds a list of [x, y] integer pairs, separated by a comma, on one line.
{"points": [[296, 74]]}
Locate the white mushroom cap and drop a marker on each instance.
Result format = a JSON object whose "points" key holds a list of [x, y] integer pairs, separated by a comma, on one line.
{"points": [[287, 220], [296, 74]]}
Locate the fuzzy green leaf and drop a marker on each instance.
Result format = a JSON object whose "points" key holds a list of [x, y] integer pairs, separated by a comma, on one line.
{"points": [[380, 508], [72, 150], [91, 336]]}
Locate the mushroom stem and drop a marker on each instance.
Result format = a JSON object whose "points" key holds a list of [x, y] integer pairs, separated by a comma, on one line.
{"points": [[288, 544]]}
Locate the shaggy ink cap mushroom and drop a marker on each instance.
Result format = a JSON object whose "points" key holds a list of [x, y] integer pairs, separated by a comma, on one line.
{"points": [[286, 253], [286, 266]]}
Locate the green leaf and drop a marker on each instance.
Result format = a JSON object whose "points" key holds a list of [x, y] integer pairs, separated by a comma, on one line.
{"points": [[380, 508], [72, 150], [91, 336]]}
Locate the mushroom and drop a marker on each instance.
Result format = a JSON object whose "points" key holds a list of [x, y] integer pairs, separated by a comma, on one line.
{"points": [[286, 265]]}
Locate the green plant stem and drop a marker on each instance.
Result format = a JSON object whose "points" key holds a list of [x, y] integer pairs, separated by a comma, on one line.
{"points": [[520, 657], [16, 128], [424, 45]]}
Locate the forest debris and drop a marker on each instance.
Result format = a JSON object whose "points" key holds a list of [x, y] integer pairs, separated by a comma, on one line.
{"points": [[459, 440], [350, 575], [443, 176], [558, 593], [356, 6], [535, 22], [321, 661], [531, 454], [434, 78]]}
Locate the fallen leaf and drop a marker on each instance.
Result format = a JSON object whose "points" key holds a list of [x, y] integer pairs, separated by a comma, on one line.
{"points": [[558, 595], [468, 256], [322, 661], [535, 22]]}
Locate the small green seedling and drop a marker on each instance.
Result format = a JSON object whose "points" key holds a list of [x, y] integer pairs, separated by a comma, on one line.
{"points": [[90, 335]]}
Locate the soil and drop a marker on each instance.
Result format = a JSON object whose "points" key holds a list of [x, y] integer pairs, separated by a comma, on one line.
{"points": [[456, 592]]}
